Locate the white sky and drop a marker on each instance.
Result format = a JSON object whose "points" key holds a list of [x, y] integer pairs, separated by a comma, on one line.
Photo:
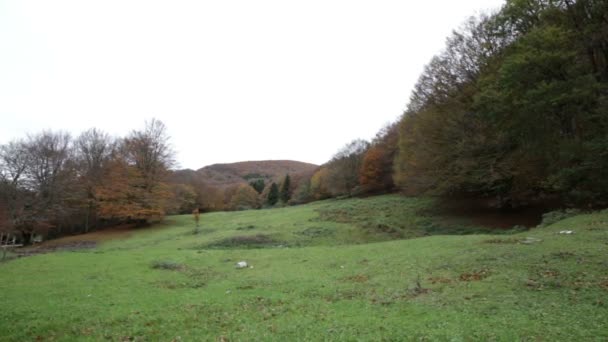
{"points": [[233, 80]]}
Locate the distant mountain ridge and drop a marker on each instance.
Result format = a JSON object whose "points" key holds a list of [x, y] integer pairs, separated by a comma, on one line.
{"points": [[222, 175]]}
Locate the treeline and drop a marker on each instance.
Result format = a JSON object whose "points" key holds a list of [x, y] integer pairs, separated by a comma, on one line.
{"points": [[257, 194], [359, 168], [52, 184], [514, 110]]}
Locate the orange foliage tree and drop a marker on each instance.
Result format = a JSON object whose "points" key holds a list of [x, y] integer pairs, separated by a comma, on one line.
{"points": [[376, 174]]}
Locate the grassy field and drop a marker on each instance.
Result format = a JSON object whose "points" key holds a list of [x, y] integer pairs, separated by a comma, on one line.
{"points": [[381, 268]]}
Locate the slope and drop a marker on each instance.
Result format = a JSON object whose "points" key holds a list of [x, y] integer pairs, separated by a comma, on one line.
{"points": [[316, 276]]}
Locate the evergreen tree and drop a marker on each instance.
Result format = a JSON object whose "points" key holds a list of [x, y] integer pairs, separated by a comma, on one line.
{"points": [[258, 185], [285, 194], [273, 195]]}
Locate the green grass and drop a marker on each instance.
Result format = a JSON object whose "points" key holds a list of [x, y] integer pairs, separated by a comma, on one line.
{"points": [[326, 271]]}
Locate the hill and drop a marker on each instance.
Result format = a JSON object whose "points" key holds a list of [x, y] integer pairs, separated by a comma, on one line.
{"points": [[271, 170], [222, 175], [319, 272]]}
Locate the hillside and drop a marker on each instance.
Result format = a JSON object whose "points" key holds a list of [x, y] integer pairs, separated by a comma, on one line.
{"points": [[319, 273], [243, 172]]}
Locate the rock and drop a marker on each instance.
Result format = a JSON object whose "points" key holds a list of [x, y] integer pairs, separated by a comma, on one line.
{"points": [[567, 232], [242, 264]]}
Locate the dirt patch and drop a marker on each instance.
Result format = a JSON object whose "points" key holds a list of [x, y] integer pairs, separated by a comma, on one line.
{"points": [[246, 241], [167, 265], [475, 275], [440, 280], [501, 241], [358, 278], [113, 233], [78, 242], [563, 255], [316, 232], [70, 246]]}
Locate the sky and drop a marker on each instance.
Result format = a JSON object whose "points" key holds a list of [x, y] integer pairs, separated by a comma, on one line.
{"points": [[232, 80]]}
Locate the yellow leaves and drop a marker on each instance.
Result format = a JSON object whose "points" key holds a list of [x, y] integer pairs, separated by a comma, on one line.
{"points": [[125, 195]]}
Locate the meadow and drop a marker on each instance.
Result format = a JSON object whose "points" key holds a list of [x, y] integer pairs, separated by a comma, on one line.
{"points": [[373, 269]]}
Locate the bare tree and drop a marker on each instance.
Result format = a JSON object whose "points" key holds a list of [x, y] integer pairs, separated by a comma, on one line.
{"points": [[13, 165], [50, 177], [94, 149], [149, 151]]}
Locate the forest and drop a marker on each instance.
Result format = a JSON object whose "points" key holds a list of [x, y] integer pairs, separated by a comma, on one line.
{"points": [[513, 111]]}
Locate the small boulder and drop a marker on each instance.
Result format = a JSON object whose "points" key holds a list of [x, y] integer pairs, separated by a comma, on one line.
{"points": [[242, 264]]}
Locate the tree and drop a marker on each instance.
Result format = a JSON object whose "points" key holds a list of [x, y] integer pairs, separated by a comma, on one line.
{"points": [[245, 198], [303, 191], [343, 169], [51, 178], [94, 149], [376, 173], [273, 194], [258, 185], [13, 165], [148, 157], [285, 192], [183, 199], [319, 188]]}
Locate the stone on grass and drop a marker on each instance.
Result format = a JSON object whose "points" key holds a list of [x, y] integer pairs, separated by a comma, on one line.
{"points": [[242, 264], [567, 232]]}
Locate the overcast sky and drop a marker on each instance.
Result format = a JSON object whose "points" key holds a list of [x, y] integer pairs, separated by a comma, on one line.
{"points": [[233, 80]]}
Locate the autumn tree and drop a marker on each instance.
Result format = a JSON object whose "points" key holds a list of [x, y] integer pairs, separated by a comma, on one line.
{"points": [[344, 167], [148, 158], [319, 184], [94, 150], [183, 199], [376, 173], [245, 198], [208, 196]]}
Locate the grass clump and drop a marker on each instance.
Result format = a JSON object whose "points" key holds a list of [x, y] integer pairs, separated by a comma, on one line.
{"points": [[245, 241], [248, 227], [316, 232], [166, 265]]}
